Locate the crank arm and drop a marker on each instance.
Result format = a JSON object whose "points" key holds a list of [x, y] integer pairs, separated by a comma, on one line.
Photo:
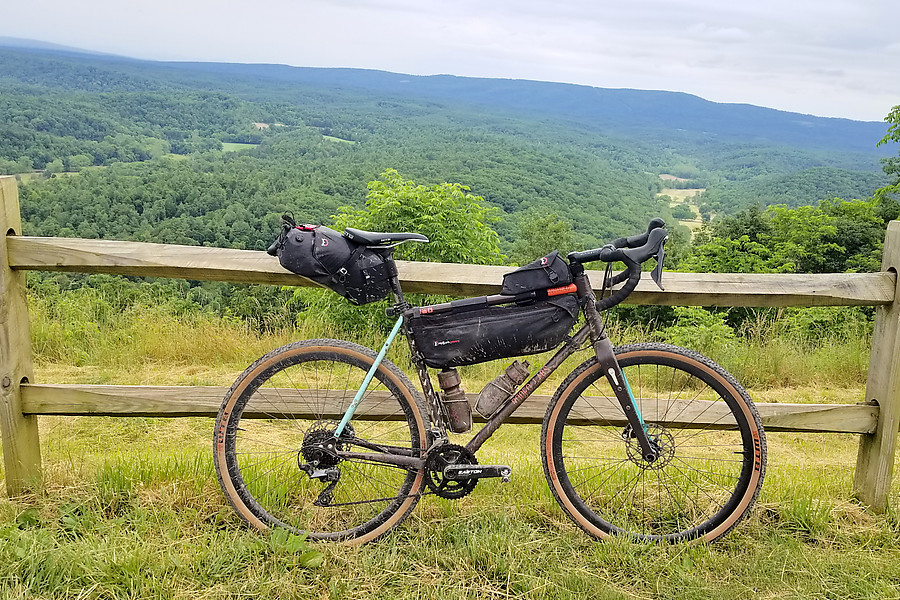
{"points": [[464, 472]]}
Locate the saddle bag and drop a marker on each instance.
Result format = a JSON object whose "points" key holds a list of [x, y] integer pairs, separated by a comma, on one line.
{"points": [[475, 335], [546, 272], [358, 273]]}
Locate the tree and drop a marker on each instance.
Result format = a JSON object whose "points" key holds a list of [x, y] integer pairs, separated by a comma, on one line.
{"points": [[683, 212], [538, 234], [55, 166], [804, 237], [80, 161], [891, 165], [455, 222], [728, 255]]}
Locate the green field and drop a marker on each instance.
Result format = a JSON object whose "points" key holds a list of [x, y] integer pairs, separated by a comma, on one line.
{"points": [[337, 139], [235, 147], [131, 507]]}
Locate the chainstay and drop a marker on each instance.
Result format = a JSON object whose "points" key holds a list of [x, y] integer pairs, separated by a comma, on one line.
{"points": [[402, 497]]}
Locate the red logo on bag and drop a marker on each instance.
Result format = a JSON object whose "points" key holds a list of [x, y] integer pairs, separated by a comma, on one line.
{"points": [[544, 261], [324, 241]]}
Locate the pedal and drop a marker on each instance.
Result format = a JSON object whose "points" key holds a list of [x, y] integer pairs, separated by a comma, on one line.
{"points": [[463, 472]]}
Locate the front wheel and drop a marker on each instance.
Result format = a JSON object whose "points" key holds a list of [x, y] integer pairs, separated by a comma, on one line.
{"points": [[711, 448], [280, 462]]}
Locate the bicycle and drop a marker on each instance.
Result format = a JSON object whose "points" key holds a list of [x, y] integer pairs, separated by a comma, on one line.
{"points": [[649, 440]]}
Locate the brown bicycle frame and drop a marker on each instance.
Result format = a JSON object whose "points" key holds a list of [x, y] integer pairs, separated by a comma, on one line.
{"points": [[594, 330]]}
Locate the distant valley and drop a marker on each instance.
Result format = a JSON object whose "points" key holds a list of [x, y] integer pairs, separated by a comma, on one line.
{"points": [[189, 135]]}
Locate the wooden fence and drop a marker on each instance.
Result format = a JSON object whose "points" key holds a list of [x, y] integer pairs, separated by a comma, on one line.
{"points": [[875, 418]]}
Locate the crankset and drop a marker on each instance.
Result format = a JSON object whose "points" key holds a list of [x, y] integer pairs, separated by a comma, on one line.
{"points": [[452, 471]]}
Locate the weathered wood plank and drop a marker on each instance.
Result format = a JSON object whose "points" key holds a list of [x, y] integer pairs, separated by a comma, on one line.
{"points": [[247, 266], [181, 401], [21, 447], [681, 289], [875, 459], [149, 260]]}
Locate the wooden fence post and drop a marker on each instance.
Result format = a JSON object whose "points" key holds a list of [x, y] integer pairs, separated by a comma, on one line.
{"points": [[875, 460], [21, 446]]}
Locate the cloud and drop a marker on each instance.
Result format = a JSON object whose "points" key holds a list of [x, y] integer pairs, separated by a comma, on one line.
{"points": [[828, 57]]}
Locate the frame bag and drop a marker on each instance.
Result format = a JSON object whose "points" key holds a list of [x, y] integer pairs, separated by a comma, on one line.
{"points": [[358, 273], [546, 272], [471, 336]]}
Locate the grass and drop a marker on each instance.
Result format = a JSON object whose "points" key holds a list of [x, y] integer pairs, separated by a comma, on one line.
{"points": [[337, 139], [131, 507], [236, 146], [685, 196], [132, 510]]}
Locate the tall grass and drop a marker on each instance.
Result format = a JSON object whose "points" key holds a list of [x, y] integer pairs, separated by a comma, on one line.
{"points": [[131, 507], [84, 334]]}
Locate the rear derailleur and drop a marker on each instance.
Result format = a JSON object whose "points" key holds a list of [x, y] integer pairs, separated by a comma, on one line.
{"points": [[318, 457]]}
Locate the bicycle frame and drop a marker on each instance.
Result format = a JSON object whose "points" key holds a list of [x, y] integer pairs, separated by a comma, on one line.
{"points": [[594, 330]]}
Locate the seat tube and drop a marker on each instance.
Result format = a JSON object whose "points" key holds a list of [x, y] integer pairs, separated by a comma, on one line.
{"points": [[348, 414]]}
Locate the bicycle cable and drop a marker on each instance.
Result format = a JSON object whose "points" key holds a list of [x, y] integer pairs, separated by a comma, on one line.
{"points": [[607, 285]]}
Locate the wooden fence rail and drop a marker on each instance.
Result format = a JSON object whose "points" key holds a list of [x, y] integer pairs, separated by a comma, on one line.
{"points": [[875, 418]]}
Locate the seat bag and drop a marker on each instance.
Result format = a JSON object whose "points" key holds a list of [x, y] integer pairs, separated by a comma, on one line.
{"points": [[354, 271]]}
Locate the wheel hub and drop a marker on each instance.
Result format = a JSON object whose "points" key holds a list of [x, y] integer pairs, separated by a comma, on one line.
{"points": [[660, 439], [320, 446]]}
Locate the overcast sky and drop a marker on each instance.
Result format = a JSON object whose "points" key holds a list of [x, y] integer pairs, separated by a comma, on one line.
{"points": [[838, 58]]}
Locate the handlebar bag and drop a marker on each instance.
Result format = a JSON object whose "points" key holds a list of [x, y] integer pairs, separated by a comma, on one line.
{"points": [[545, 272], [468, 337], [358, 273]]}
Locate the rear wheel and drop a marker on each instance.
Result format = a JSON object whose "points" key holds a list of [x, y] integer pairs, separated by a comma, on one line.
{"points": [[710, 442], [277, 456]]}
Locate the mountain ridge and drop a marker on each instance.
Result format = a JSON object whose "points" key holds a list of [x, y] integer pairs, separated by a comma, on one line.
{"points": [[657, 113]]}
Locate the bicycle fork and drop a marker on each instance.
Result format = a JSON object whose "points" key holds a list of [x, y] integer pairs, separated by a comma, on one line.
{"points": [[606, 357], [603, 349]]}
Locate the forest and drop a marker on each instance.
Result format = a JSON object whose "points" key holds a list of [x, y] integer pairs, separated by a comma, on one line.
{"points": [[204, 154]]}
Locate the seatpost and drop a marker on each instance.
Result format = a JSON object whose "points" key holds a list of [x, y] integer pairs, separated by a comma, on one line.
{"points": [[400, 304]]}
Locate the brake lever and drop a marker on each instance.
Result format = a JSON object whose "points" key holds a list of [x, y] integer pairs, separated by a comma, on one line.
{"points": [[657, 273]]}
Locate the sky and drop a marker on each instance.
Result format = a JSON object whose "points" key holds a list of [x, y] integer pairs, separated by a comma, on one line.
{"points": [[833, 58]]}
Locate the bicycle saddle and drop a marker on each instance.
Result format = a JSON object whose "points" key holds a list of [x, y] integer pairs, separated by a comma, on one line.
{"points": [[372, 238]]}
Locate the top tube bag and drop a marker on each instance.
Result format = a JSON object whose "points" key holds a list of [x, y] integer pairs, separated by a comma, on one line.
{"points": [[546, 272], [358, 273]]}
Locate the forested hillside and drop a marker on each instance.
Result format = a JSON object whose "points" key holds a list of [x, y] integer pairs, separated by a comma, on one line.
{"points": [[592, 155], [213, 154]]}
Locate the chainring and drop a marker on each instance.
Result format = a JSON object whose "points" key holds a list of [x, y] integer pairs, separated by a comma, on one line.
{"points": [[443, 456]]}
